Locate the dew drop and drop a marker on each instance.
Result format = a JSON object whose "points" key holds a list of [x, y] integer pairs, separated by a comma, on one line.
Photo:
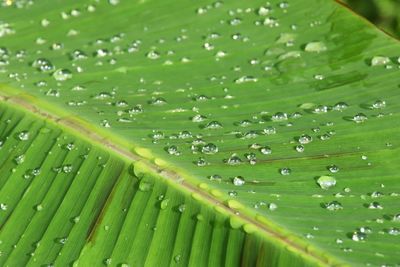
{"points": [[62, 74], [316, 47], [326, 182], [305, 139], [359, 118], [238, 181], [285, 171], [379, 61]]}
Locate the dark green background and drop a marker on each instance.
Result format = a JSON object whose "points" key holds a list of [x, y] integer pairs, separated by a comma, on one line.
{"points": [[384, 13]]}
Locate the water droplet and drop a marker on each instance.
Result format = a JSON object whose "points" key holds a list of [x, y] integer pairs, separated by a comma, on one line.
{"points": [[359, 118], [145, 185], [285, 171], [201, 162], [164, 203], [263, 11], [393, 231], [375, 205], [333, 206], [300, 148], [279, 116], [396, 218], [23, 136], [62, 74], [340, 106], [42, 64], [379, 61], [67, 168], [238, 181], [218, 178], [181, 208], [153, 55], [233, 160], [198, 118], [321, 109], [157, 101], [19, 159], [177, 258], [378, 104], [315, 47], [326, 182], [209, 148], [173, 150], [305, 139], [358, 236], [213, 125], [333, 168], [272, 206]]}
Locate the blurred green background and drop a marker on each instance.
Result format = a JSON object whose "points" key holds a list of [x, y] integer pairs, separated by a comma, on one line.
{"points": [[383, 13]]}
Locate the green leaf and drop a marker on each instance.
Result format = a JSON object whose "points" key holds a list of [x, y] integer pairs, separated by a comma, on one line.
{"points": [[158, 133]]}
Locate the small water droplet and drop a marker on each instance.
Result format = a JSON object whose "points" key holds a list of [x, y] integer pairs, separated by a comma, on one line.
{"points": [[326, 182], [238, 181], [316, 47], [285, 171], [305, 139], [378, 104], [333, 206], [359, 118], [62, 74], [379, 61]]}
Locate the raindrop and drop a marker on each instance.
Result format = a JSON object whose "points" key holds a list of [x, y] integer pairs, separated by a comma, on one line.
{"points": [[62, 74], [375, 205], [279, 116], [164, 203], [173, 150], [213, 125], [378, 104], [359, 118], [326, 182], [340, 106], [233, 160], [379, 61], [333, 206], [315, 47], [358, 236], [209, 148], [393, 231], [23, 136], [333, 168], [266, 150], [285, 171], [305, 139], [238, 181], [19, 159]]}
